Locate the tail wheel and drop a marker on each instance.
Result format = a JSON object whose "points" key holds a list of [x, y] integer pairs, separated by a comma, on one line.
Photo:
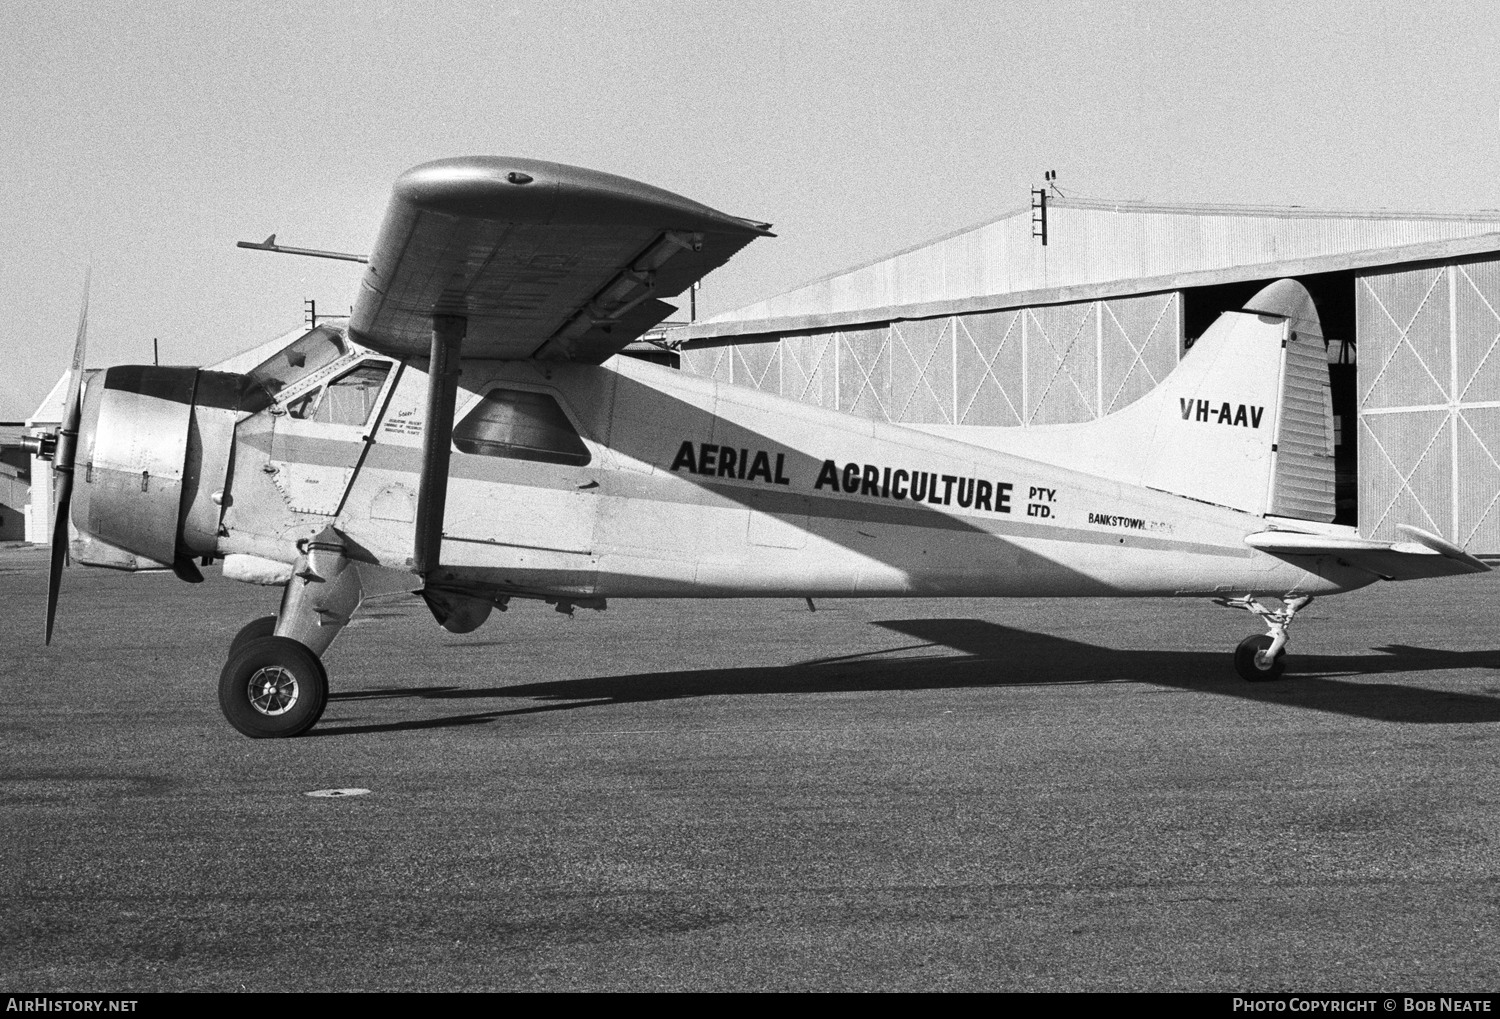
{"points": [[272, 688], [1249, 663], [265, 626]]}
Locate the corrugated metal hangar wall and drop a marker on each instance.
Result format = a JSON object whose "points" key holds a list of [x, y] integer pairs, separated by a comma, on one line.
{"points": [[1429, 402], [1042, 365]]}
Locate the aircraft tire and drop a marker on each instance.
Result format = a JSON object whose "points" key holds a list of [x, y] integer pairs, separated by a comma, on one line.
{"points": [[273, 688], [265, 626], [1245, 663]]}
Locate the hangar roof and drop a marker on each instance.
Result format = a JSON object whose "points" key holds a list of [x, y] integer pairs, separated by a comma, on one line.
{"points": [[1101, 248], [50, 411]]}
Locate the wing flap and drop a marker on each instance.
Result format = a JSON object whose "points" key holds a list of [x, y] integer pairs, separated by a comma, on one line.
{"points": [[1426, 555], [542, 259]]}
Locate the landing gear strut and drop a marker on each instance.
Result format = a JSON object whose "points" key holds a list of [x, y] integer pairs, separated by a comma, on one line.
{"points": [[274, 684], [1262, 657]]}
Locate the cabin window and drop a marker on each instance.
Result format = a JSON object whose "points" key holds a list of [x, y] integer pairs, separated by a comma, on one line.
{"points": [[521, 425], [347, 400]]}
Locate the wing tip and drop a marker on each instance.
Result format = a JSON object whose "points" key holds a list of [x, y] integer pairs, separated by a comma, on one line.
{"points": [[536, 190]]}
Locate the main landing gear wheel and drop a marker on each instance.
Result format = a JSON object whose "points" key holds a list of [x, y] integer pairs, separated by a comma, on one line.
{"points": [[1250, 659], [265, 626], [272, 688]]}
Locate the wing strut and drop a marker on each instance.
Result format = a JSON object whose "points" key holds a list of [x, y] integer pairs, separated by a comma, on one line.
{"points": [[448, 333]]}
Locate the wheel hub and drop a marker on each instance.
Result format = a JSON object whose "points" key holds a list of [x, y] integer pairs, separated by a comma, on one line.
{"points": [[273, 690]]}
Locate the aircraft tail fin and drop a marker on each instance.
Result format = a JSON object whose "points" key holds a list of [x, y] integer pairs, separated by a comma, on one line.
{"points": [[1245, 419]]}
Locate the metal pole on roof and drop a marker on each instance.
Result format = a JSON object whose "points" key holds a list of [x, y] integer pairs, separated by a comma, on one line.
{"points": [[155, 351]]}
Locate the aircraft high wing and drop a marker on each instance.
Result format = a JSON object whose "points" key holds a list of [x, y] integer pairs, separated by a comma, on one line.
{"points": [[539, 259], [468, 432]]}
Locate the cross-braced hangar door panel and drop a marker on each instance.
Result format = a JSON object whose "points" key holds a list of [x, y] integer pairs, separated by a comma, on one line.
{"points": [[864, 373], [759, 364], [1044, 365], [1140, 341], [922, 371], [808, 364], [1062, 366], [1429, 402], [987, 369], [715, 363]]}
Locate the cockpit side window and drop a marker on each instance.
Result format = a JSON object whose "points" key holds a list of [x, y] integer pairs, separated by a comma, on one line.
{"points": [[521, 425], [347, 400]]}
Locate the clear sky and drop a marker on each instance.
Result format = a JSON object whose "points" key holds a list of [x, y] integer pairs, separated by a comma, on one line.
{"points": [[145, 138]]}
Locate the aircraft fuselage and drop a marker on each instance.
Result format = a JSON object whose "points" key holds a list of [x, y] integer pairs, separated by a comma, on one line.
{"points": [[692, 488]]}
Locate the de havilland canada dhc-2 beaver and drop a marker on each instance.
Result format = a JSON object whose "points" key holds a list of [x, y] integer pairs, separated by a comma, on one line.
{"points": [[469, 433]]}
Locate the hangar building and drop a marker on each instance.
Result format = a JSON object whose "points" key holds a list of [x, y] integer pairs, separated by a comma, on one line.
{"points": [[1071, 309], [15, 481]]}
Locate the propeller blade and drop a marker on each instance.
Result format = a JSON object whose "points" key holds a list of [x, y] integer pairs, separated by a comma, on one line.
{"points": [[59, 544], [62, 462]]}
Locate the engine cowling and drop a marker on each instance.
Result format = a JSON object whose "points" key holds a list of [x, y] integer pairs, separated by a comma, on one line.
{"points": [[153, 458]]}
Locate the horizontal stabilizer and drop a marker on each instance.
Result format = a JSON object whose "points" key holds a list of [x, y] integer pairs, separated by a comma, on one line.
{"points": [[1426, 555], [1437, 544]]}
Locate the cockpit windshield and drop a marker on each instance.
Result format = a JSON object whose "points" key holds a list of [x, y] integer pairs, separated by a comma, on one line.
{"points": [[313, 350]]}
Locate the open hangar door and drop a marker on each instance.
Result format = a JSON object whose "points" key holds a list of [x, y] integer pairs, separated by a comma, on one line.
{"points": [[1429, 401]]}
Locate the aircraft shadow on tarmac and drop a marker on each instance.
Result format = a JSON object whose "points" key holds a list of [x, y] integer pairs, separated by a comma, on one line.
{"points": [[991, 655]]}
